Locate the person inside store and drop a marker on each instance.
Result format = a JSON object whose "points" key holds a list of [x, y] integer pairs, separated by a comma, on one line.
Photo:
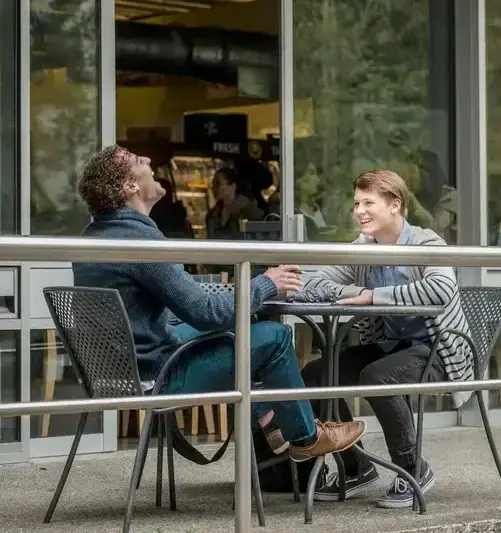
{"points": [[392, 349], [256, 177], [233, 204], [170, 215], [166, 308]]}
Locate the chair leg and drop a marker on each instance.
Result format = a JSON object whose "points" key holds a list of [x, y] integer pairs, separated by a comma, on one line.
{"points": [[256, 487], [419, 446], [295, 481], [342, 476], [67, 467], [488, 431], [145, 453], [170, 464], [136, 471], [310, 490], [160, 461]]}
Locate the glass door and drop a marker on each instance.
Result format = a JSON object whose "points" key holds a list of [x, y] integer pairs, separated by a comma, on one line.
{"points": [[72, 93], [368, 85], [359, 102]]}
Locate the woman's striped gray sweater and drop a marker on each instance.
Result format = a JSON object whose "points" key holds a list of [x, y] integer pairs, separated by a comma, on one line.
{"points": [[429, 286]]}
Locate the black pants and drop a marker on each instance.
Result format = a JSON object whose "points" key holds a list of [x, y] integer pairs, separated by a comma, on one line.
{"points": [[370, 365]]}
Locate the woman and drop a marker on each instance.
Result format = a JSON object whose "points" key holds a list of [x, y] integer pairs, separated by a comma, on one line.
{"points": [[170, 215], [232, 206]]}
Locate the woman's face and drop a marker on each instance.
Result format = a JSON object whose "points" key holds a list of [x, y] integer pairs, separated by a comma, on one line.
{"points": [[223, 190], [308, 183]]}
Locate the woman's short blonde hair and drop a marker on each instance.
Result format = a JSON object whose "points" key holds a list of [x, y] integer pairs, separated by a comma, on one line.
{"points": [[386, 183]]}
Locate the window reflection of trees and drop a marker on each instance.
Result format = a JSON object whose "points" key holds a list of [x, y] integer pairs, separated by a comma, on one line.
{"points": [[64, 110], [372, 105], [493, 41]]}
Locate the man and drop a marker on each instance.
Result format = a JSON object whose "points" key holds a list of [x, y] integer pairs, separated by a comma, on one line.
{"points": [[120, 192], [393, 349]]}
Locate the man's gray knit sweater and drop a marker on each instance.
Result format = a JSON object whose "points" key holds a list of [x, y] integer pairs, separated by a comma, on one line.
{"points": [[156, 294]]}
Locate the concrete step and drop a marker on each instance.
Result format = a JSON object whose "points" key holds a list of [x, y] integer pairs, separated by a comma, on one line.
{"points": [[483, 526]]}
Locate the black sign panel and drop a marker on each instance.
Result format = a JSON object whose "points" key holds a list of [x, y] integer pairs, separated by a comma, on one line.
{"points": [[214, 133]]}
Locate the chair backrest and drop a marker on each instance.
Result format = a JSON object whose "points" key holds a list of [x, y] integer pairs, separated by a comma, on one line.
{"points": [[95, 331], [482, 307], [266, 230], [216, 288]]}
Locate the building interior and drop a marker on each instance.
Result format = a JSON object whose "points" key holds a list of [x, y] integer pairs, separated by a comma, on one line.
{"points": [[214, 58]]}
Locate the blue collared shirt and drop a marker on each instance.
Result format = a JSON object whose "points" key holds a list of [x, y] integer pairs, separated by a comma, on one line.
{"points": [[398, 328]]}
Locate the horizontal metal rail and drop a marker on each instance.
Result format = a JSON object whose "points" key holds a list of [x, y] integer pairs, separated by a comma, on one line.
{"points": [[163, 401], [224, 252], [367, 391], [266, 395]]}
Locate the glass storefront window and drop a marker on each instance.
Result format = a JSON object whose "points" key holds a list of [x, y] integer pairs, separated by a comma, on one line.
{"points": [[65, 126], [9, 383], [9, 106], [373, 88], [52, 378], [493, 40]]}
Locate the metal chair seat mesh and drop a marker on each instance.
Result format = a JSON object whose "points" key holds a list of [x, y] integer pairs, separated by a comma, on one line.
{"points": [[482, 307]]}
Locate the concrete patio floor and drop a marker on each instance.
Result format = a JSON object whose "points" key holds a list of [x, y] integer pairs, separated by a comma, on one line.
{"points": [[466, 497]]}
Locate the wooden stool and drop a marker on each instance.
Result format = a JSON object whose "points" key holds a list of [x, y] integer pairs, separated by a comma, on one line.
{"points": [[50, 374], [141, 413], [209, 420]]}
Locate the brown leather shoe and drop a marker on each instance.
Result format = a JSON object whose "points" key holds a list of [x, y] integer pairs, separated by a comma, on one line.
{"points": [[332, 437]]}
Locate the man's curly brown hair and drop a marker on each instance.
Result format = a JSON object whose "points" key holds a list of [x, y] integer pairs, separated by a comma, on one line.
{"points": [[102, 184]]}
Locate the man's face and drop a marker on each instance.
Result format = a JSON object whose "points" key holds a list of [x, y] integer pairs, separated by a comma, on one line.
{"points": [[143, 183], [223, 190], [374, 212]]}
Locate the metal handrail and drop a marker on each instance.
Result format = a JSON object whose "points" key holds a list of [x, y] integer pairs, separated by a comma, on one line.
{"points": [[257, 252], [174, 401], [87, 405], [243, 254]]}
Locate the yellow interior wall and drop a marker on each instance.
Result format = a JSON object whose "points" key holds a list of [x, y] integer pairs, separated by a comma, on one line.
{"points": [[261, 16], [165, 106]]}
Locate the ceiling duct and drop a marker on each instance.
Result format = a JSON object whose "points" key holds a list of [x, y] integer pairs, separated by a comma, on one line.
{"points": [[209, 54]]}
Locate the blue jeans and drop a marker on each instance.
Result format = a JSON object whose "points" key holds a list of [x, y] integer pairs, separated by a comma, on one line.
{"points": [[211, 368]]}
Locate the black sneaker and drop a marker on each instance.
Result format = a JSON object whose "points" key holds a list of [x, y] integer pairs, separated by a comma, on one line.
{"points": [[329, 492], [401, 494]]}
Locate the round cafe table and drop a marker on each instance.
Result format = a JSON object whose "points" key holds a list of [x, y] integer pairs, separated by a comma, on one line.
{"points": [[331, 339]]}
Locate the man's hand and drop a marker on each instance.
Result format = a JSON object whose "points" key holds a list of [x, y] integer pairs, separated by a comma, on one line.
{"points": [[365, 298], [286, 278]]}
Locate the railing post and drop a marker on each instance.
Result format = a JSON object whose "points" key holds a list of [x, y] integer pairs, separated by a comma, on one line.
{"points": [[243, 434]]}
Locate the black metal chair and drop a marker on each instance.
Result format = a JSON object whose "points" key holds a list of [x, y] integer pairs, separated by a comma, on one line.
{"points": [[482, 307], [265, 230], [95, 331]]}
